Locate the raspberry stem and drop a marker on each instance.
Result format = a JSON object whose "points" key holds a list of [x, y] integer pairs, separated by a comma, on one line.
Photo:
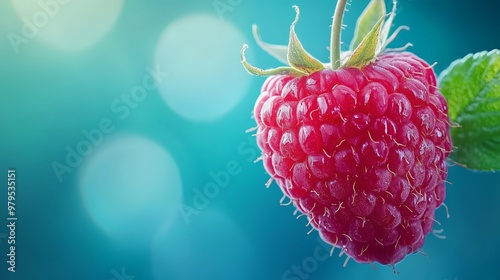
{"points": [[335, 37]]}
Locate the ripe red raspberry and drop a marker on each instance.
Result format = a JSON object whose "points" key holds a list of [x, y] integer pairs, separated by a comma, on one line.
{"points": [[360, 147], [360, 152]]}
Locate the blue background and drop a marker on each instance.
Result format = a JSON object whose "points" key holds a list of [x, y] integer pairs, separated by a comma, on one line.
{"points": [[130, 204]]}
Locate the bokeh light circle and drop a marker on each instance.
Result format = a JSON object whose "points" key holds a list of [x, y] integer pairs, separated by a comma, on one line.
{"points": [[210, 246], [130, 187], [67, 25], [206, 79]]}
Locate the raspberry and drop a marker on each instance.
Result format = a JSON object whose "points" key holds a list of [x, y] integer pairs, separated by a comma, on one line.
{"points": [[359, 147], [361, 153]]}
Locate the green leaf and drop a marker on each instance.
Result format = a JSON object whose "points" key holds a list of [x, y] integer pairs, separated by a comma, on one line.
{"points": [[370, 16], [277, 51], [268, 72], [472, 88], [297, 56], [366, 51]]}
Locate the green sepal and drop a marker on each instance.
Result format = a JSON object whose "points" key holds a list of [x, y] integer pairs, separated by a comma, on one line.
{"points": [[372, 34], [367, 49], [370, 16], [297, 56], [371, 39], [472, 89], [268, 72], [277, 51], [386, 28]]}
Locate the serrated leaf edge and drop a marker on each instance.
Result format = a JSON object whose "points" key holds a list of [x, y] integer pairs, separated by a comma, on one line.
{"points": [[487, 133]]}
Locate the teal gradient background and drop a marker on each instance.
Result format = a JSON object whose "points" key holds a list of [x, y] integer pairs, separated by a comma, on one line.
{"points": [[130, 204]]}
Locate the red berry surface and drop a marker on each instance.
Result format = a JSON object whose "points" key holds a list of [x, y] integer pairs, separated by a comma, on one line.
{"points": [[361, 152]]}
